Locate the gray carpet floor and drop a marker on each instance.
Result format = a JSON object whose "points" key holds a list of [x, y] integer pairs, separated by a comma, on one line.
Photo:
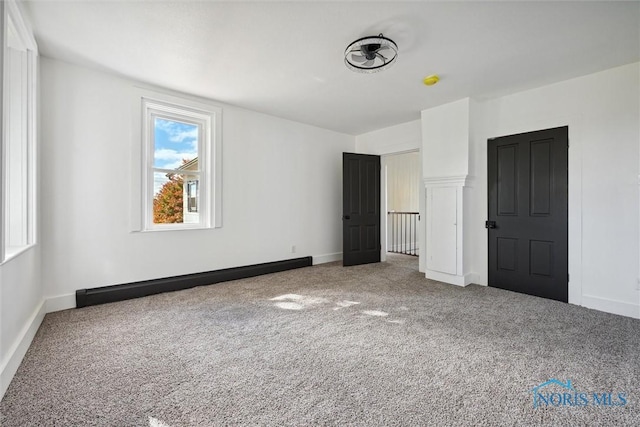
{"points": [[327, 345]]}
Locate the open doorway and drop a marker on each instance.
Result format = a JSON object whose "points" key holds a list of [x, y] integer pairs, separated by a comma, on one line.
{"points": [[402, 172]]}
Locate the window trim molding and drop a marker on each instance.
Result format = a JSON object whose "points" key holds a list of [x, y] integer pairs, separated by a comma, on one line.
{"points": [[13, 10], [152, 109], [146, 99], [10, 10]]}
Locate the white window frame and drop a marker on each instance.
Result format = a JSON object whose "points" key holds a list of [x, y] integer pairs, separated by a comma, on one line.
{"points": [[9, 10], [150, 104]]}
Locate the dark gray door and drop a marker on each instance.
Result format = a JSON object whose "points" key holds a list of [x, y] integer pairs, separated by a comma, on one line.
{"points": [[361, 208], [528, 213]]}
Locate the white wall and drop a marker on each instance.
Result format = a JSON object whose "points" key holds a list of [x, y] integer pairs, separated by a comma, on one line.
{"points": [[21, 310], [391, 140], [282, 186], [403, 181], [603, 114], [445, 135]]}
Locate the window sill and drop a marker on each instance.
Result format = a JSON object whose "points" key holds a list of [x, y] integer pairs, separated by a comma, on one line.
{"points": [[13, 252], [164, 229]]}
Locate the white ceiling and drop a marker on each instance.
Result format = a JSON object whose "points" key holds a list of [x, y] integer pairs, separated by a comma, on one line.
{"points": [[286, 58]]}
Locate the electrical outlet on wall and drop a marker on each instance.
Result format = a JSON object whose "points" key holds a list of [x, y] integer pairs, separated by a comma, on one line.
{"points": [[638, 285], [293, 249]]}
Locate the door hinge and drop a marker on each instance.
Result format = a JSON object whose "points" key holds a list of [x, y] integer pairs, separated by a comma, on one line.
{"points": [[568, 278]]}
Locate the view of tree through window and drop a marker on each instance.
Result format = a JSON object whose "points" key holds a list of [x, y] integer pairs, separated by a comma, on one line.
{"points": [[175, 160]]}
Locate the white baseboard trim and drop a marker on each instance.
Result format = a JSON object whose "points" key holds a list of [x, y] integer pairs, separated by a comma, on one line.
{"points": [[60, 302], [611, 306], [16, 353], [322, 259], [452, 279], [470, 278]]}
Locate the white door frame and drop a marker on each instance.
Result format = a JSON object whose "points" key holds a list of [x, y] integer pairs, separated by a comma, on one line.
{"points": [[384, 209]]}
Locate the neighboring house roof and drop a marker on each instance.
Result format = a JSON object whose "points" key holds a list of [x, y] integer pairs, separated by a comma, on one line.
{"points": [[190, 165]]}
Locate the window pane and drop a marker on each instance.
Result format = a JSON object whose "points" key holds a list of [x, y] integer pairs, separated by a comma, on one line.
{"points": [[192, 195], [17, 160], [175, 143], [176, 198], [168, 197]]}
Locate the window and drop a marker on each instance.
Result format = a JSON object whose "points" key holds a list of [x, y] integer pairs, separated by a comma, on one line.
{"points": [[180, 163], [192, 196], [18, 134]]}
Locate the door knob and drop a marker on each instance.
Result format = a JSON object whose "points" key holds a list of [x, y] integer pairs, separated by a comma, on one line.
{"points": [[346, 217], [489, 224]]}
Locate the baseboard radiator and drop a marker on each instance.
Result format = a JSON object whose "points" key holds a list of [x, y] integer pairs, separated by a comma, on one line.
{"points": [[95, 296]]}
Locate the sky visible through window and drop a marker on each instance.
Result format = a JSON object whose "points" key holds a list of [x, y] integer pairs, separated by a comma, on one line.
{"points": [[175, 142]]}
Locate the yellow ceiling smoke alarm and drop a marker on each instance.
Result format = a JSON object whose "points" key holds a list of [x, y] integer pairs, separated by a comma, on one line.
{"points": [[431, 80]]}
